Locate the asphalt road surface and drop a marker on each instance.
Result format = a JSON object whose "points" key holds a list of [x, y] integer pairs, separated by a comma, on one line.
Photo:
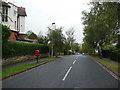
{"points": [[78, 71]]}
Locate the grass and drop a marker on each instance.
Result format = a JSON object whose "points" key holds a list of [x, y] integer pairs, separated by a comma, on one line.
{"points": [[67, 55], [49, 59], [109, 64], [10, 71], [113, 66]]}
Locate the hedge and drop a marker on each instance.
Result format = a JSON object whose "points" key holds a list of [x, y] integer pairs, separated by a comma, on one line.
{"points": [[18, 49], [115, 55]]}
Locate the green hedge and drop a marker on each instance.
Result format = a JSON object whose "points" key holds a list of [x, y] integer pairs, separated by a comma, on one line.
{"points": [[115, 55], [17, 48]]}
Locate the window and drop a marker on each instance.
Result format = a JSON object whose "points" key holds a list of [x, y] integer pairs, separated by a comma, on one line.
{"points": [[15, 13], [15, 25], [5, 14]]}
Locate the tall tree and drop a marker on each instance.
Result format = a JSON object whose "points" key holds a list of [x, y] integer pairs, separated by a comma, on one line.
{"points": [[101, 23], [42, 39], [56, 39], [70, 38]]}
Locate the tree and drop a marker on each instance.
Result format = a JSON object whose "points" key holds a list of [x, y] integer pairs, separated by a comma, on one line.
{"points": [[66, 47], [5, 33], [56, 39], [70, 38], [42, 39], [31, 35], [101, 24], [76, 47]]}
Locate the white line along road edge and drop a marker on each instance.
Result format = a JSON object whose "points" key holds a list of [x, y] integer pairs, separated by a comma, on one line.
{"points": [[67, 73]]}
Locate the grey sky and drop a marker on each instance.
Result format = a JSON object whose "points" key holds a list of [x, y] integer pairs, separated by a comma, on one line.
{"points": [[65, 13]]}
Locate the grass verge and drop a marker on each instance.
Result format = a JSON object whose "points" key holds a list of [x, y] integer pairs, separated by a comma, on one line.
{"points": [[112, 66], [67, 55], [49, 59], [11, 71]]}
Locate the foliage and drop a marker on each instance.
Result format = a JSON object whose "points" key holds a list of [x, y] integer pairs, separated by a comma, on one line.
{"points": [[115, 54], [70, 37], [70, 43], [87, 48], [76, 47], [42, 40], [5, 33], [18, 48], [101, 25], [56, 39], [31, 35]]}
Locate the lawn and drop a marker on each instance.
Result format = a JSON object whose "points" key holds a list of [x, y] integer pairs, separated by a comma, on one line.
{"points": [[10, 71]]}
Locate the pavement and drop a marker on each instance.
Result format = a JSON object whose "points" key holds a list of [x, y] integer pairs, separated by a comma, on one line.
{"points": [[77, 71], [22, 63]]}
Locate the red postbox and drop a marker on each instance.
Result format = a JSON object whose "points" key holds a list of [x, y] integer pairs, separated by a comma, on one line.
{"points": [[37, 52]]}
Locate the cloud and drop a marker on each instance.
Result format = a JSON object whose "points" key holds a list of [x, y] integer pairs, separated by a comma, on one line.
{"points": [[42, 13]]}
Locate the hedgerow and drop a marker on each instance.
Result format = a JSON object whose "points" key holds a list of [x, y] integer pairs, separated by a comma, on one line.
{"points": [[115, 55], [18, 49]]}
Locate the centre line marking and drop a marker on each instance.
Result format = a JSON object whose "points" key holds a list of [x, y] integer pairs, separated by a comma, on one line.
{"points": [[67, 73], [74, 62]]}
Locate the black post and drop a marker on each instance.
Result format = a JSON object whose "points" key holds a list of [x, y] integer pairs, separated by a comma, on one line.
{"points": [[37, 59]]}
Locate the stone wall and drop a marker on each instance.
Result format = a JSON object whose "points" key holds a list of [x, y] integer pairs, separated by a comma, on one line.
{"points": [[18, 59]]}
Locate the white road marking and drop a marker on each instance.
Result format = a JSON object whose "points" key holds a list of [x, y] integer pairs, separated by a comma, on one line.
{"points": [[67, 73], [74, 62]]}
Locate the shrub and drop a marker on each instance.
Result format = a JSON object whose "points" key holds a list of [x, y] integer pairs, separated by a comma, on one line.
{"points": [[115, 55], [5, 33], [18, 48]]}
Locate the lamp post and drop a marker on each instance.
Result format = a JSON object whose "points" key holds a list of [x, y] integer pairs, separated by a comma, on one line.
{"points": [[52, 49]]}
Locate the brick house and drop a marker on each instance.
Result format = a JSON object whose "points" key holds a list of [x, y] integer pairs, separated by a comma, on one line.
{"points": [[14, 17]]}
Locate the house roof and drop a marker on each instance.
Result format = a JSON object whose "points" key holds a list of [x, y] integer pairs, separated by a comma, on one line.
{"points": [[21, 11], [5, 4]]}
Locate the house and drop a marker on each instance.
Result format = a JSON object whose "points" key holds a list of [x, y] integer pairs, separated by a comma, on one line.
{"points": [[14, 17]]}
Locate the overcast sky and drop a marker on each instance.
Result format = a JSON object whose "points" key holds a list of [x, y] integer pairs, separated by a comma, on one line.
{"points": [[65, 13]]}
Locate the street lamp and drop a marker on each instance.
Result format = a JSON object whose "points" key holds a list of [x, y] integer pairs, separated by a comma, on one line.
{"points": [[53, 28]]}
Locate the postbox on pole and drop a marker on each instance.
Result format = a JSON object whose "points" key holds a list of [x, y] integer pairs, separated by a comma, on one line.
{"points": [[37, 53]]}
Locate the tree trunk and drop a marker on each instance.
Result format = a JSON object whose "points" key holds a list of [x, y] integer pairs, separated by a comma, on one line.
{"points": [[100, 52], [94, 51]]}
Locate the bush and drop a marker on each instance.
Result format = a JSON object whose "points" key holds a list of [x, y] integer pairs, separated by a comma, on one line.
{"points": [[5, 33], [115, 55], [18, 48]]}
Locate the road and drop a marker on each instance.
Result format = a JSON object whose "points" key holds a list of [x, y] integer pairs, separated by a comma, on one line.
{"points": [[78, 71]]}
